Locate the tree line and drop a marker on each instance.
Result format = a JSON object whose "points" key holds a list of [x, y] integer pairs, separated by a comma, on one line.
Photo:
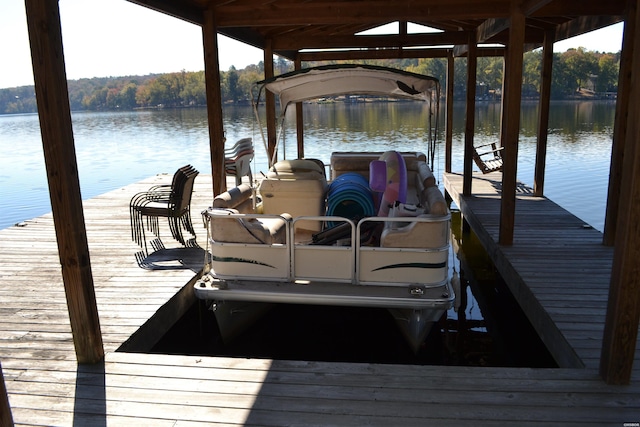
{"points": [[573, 70]]}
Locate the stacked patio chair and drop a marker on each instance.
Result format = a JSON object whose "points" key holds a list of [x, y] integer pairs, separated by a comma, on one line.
{"points": [[237, 160], [169, 201]]}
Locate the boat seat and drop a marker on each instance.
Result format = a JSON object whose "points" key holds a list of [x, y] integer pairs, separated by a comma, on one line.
{"points": [[267, 231], [353, 161], [238, 198], [421, 234], [297, 187]]}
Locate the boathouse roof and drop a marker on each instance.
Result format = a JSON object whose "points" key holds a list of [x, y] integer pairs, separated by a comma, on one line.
{"points": [[292, 28]]}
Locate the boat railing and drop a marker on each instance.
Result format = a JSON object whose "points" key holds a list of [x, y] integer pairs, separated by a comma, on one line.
{"points": [[415, 257], [312, 260], [402, 251], [261, 253]]}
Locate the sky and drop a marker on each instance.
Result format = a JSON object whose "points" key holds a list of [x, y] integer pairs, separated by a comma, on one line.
{"points": [[117, 38]]}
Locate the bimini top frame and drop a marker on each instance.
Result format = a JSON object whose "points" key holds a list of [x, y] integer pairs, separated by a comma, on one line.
{"points": [[351, 79], [348, 79]]}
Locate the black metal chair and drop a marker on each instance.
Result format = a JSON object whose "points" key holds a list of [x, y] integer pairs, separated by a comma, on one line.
{"points": [[169, 201]]}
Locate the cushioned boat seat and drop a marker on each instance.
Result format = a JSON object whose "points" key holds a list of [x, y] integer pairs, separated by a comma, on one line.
{"points": [[296, 187], [246, 230]]}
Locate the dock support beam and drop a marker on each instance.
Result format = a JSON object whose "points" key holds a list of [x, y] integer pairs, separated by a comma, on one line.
{"points": [[511, 121], [299, 114], [54, 113], [448, 132], [472, 67], [270, 104], [543, 113], [6, 419], [623, 309], [214, 101], [620, 127]]}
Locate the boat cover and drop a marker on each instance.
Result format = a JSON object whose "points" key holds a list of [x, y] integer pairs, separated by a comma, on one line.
{"points": [[332, 80]]}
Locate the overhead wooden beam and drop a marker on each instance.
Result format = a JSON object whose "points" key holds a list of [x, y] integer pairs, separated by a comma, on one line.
{"points": [[184, 11], [368, 41], [619, 130], [352, 55], [235, 14], [52, 97], [532, 6], [580, 8], [490, 28], [585, 24], [214, 102], [623, 309], [543, 114], [511, 116]]}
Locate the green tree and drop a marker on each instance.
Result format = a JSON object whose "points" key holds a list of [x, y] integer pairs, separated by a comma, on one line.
{"points": [[194, 91], [128, 96], [581, 65], [233, 91], [608, 73]]}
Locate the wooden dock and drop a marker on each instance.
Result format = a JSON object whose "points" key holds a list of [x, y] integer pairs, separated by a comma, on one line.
{"points": [[47, 387], [557, 267]]}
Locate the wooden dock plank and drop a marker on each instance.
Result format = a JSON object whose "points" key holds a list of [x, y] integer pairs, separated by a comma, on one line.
{"points": [[47, 387], [557, 267]]}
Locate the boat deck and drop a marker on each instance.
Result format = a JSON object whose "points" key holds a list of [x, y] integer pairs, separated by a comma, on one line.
{"points": [[47, 387]]}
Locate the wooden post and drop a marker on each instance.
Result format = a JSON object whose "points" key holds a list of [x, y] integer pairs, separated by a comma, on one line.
{"points": [[214, 101], [511, 121], [448, 138], [623, 309], [6, 419], [472, 67], [52, 96], [619, 127], [270, 103], [543, 113], [299, 115]]}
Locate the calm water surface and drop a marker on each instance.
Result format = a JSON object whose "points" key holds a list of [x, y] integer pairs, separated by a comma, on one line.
{"points": [[115, 149]]}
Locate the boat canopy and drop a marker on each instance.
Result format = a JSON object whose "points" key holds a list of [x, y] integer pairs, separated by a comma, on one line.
{"points": [[349, 79]]}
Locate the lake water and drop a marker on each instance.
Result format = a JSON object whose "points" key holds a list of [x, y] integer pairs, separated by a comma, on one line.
{"points": [[115, 149]]}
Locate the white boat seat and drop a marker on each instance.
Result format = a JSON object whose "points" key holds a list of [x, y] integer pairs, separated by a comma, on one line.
{"points": [[421, 234], [434, 201], [247, 230], [238, 198], [296, 187], [353, 161], [416, 235]]}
